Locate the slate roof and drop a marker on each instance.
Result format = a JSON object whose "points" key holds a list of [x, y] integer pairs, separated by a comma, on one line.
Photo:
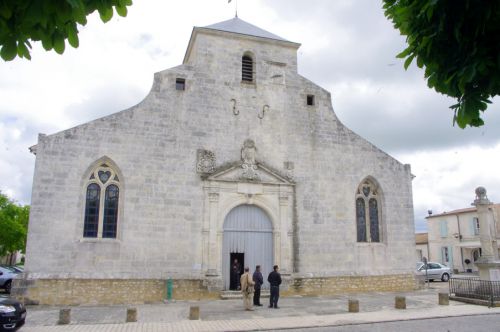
{"points": [[237, 25]]}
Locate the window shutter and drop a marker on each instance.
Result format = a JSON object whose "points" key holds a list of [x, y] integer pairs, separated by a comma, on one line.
{"points": [[442, 255], [444, 228], [472, 227]]}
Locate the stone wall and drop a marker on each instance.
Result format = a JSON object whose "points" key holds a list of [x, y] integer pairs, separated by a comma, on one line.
{"points": [[136, 291], [106, 291], [351, 284]]}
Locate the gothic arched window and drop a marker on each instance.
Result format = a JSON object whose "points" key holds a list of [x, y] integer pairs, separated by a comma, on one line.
{"points": [[247, 71], [368, 212], [101, 203]]}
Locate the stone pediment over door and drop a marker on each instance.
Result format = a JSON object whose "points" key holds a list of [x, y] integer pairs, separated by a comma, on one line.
{"points": [[255, 173]]}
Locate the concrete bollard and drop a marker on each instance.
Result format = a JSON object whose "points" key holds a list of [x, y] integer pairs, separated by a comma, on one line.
{"points": [[194, 313], [353, 305], [64, 317], [400, 302], [131, 315], [444, 299]]}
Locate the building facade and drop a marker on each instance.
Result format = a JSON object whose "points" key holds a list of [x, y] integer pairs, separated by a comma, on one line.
{"points": [[422, 244], [454, 237], [232, 155]]}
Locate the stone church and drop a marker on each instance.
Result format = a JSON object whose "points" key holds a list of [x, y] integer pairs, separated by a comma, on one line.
{"points": [[232, 155]]}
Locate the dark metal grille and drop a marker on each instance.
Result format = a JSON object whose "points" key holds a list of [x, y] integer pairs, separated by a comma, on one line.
{"points": [[110, 212], [180, 84], [361, 219], [474, 288], [247, 68], [91, 210], [374, 229]]}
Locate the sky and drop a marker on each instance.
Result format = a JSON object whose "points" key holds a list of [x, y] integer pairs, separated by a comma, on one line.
{"points": [[348, 47]]}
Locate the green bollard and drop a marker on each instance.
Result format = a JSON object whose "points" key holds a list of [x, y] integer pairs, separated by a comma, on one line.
{"points": [[170, 288]]}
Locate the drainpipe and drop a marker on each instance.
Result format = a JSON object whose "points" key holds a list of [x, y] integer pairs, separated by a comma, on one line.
{"points": [[460, 240]]}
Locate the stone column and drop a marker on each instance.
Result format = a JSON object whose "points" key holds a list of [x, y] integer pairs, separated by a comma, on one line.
{"points": [[213, 198], [488, 263], [284, 256]]}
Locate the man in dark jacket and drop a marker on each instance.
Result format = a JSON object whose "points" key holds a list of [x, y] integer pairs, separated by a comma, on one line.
{"points": [[275, 282], [259, 280]]}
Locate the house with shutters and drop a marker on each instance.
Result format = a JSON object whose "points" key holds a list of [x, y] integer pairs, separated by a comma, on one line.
{"points": [[233, 155], [454, 237]]}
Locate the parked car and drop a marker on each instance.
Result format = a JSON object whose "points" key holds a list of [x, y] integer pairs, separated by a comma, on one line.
{"points": [[434, 271], [18, 268], [6, 276], [12, 314]]}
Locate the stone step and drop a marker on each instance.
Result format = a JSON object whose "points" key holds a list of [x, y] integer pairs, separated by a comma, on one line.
{"points": [[233, 295]]}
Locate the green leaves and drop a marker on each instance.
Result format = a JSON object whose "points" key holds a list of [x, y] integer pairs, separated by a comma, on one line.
{"points": [[48, 21], [458, 45], [14, 225], [9, 50]]}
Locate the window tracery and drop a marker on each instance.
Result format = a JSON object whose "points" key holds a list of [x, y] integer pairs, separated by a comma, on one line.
{"points": [[368, 212], [101, 203]]}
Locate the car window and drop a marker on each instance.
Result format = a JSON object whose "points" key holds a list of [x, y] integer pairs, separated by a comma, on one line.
{"points": [[434, 266]]}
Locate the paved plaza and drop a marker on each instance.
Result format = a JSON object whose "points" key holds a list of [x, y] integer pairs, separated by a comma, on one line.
{"points": [[229, 315]]}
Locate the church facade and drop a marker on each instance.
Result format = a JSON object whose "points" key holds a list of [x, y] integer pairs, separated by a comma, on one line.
{"points": [[232, 155]]}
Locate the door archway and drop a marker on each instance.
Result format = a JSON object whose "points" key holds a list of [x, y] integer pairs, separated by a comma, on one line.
{"points": [[248, 234]]}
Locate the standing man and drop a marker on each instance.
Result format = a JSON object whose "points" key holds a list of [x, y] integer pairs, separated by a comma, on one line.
{"points": [[235, 275], [258, 280], [275, 282], [247, 284]]}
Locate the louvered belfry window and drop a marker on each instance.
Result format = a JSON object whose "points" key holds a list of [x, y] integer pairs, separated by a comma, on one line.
{"points": [[247, 68]]}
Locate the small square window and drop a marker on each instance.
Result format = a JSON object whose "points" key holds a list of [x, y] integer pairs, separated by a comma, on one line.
{"points": [[180, 84], [310, 100]]}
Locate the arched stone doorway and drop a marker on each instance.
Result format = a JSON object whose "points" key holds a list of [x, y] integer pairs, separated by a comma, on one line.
{"points": [[248, 235]]}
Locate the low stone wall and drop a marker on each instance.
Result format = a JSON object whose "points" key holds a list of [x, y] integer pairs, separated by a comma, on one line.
{"points": [[136, 291], [105, 291], [350, 284]]}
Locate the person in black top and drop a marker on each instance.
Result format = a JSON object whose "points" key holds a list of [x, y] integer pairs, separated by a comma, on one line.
{"points": [[274, 279], [259, 280], [235, 275]]}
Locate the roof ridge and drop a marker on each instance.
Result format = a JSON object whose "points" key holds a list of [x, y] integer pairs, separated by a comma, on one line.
{"points": [[237, 25]]}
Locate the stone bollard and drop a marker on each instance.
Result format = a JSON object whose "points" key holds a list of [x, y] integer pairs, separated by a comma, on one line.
{"points": [[353, 305], [194, 313], [131, 315], [444, 299], [64, 317], [400, 302]]}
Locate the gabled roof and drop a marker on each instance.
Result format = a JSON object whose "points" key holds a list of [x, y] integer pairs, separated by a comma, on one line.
{"points": [[237, 25]]}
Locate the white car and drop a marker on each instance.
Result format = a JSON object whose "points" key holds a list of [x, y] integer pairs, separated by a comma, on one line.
{"points": [[435, 271]]}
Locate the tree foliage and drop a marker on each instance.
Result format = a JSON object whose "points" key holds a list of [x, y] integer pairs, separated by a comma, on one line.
{"points": [[458, 43], [13, 225], [50, 21]]}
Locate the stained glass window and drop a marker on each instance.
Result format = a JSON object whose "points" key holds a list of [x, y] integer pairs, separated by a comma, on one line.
{"points": [[367, 212], [374, 229], [361, 219], [101, 204], [110, 212], [91, 222]]}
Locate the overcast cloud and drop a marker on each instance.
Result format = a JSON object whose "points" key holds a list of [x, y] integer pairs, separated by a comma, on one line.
{"points": [[348, 47]]}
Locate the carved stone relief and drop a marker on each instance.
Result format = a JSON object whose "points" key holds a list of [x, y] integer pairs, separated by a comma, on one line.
{"points": [[206, 161], [248, 156]]}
